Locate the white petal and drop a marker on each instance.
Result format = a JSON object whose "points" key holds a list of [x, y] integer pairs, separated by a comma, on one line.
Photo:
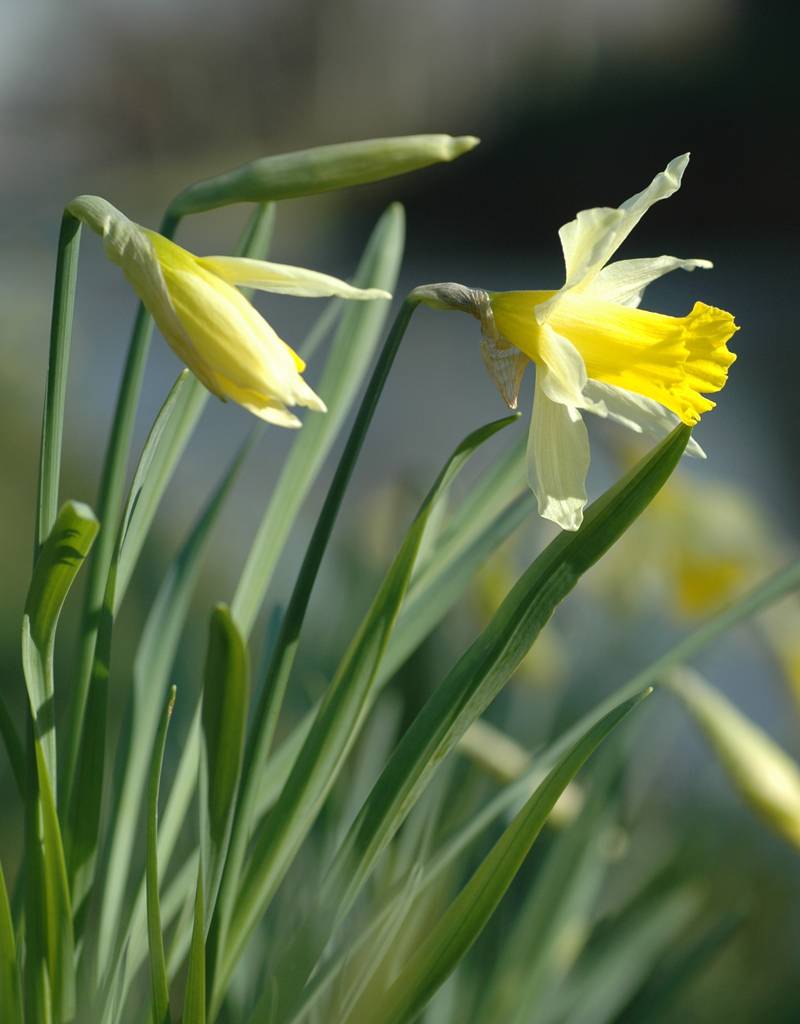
{"points": [[558, 460], [665, 184], [563, 375], [278, 415], [594, 236], [585, 241], [624, 282], [640, 414], [283, 279]]}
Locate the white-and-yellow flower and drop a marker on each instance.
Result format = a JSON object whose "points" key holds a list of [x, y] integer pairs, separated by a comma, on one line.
{"points": [[596, 351], [211, 326]]}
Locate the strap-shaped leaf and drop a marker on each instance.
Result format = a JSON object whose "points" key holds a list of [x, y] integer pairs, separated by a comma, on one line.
{"points": [[49, 944], [166, 442], [349, 358], [486, 666], [468, 914], [10, 989], [462, 549], [194, 1006], [152, 665], [338, 720], [267, 710], [16, 757], [226, 694], [60, 558], [158, 966]]}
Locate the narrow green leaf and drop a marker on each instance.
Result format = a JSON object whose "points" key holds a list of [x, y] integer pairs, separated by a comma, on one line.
{"points": [[49, 945], [69, 241], [743, 608], [608, 977], [194, 1007], [10, 989], [433, 591], [152, 665], [322, 169], [267, 710], [226, 694], [349, 357], [468, 914], [656, 1000], [486, 666], [13, 745], [60, 557], [166, 442], [338, 720], [158, 965]]}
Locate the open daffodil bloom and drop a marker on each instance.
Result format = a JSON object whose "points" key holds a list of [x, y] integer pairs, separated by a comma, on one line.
{"points": [[211, 326], [596, 351]]}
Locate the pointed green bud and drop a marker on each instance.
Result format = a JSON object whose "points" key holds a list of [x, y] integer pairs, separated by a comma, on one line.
{"points": [[322, 169]]}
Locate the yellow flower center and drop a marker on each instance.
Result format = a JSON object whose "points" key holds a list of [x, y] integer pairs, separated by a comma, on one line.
{"points": [[673, 360]]}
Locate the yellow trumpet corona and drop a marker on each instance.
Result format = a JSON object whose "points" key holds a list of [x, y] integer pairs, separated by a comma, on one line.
{"points": [[210, 325], [595, 350]]}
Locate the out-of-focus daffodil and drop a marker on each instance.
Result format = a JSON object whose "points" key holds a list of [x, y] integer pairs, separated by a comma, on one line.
{"points": [[211, 326], [701, 545], [596, 351], [763, 773]]}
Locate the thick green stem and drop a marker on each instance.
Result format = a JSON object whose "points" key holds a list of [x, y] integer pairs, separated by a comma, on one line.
{"points": [[69, 241], [109, 504], [280, 666]]}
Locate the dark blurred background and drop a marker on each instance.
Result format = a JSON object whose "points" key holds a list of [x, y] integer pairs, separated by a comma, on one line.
{"points": [[578, 103]]}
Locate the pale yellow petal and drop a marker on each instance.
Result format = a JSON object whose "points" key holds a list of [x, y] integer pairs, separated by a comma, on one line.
{"points": [[284, 279], [558, 459], [624, 282]]}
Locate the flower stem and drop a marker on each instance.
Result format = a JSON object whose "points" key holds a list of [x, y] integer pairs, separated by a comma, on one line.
{"points": [[109, 503], [272, 693], [69, 240]]}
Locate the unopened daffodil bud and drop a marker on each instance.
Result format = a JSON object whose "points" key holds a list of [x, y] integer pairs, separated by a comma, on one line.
{"points": [[595, 350], [211, 326], [322, 169], [761, 771]]}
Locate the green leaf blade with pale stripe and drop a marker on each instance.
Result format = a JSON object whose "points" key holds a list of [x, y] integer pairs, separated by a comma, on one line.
{"points": [[338, 719], [60, 558], [483, 670], [350, 354], [226, 693], [465, 918], [10, 987], [158, 963]]}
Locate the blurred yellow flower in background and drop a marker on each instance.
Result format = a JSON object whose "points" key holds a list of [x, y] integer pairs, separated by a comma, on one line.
{"points": [[211, 326], [700, 546]]}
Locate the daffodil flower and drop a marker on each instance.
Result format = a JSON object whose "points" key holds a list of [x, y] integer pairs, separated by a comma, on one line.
{"points": [[595, 350], [211, 326]]}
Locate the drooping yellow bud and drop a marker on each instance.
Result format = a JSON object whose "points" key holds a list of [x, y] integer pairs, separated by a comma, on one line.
{"points": [[211, 326]]}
